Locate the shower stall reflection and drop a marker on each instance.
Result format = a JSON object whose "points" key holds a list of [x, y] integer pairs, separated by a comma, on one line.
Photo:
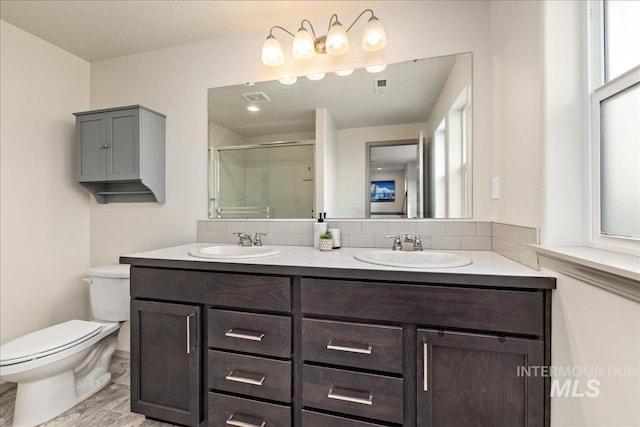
{"points": [[273, 180]]}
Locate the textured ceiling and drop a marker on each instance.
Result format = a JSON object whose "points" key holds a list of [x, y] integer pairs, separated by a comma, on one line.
{"points": [[102, 29], [411, 92]]}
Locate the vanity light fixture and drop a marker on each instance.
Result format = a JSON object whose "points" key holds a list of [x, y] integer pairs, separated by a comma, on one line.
{"points": [[306, 44], [343, 73], [315, 76], [376, 68], [289, 80]]}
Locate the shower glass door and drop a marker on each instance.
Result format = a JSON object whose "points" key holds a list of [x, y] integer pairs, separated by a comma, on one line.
{"points": [[264, 181]]}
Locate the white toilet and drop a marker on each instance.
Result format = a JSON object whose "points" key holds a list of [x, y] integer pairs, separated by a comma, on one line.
{"points": [[60, 366]]}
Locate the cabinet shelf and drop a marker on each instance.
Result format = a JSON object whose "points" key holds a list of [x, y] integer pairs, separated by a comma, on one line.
{"points": [[119, 193]]}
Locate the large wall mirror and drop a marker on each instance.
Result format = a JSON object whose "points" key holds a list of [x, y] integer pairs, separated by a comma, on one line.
{"points": [[396, 143]]}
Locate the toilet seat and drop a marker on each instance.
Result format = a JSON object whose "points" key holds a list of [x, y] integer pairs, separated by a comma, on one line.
{"points": [[48, 341]]}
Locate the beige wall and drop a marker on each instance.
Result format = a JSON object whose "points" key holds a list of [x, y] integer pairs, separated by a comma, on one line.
{"points": [[594, 330], [565, 105], [352, 148], [175, 82], [517, 108], [44, 214]]}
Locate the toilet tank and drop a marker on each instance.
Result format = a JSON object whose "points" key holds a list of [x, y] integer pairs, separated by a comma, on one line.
{"points": [[109, 292]]}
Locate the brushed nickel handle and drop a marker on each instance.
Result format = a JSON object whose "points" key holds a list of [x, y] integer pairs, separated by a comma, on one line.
{"points": [[367, 398], [107, 146], [237, 421], [425, 363], [189, 333], [245, 378], [348, 347], [244, 334]]}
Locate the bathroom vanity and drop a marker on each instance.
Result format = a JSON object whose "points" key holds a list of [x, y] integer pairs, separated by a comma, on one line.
{"points": [[306, 338]]}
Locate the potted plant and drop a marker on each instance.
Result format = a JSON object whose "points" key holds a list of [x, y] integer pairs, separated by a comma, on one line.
{"points": [[326, 241]]}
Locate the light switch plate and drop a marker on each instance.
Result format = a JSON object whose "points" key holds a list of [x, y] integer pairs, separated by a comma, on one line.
{"points": [[495, 188]]}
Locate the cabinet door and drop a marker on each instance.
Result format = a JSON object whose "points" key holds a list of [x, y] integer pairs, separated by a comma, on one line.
{"points": [[91, 136], [469, 379], [165, 361], [123, 152]]}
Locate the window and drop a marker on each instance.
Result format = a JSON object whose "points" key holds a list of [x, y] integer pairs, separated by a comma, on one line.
{"points": [[615, 126]]}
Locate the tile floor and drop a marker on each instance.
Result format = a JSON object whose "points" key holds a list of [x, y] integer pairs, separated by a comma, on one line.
{"points": [[109, 407]]}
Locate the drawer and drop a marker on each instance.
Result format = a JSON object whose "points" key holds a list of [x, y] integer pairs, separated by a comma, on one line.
{"points": [[221, 289], [315, 419], [355, 393], [365, 346], [251, 333], [496, 310], [250, 375], [227, 411]]}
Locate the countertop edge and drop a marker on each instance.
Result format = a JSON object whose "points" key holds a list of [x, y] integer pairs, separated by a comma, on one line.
{"points": [[436, 278]]}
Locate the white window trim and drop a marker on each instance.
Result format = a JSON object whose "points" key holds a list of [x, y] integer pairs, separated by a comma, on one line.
{"points": [[595, 238], [600, 91]]}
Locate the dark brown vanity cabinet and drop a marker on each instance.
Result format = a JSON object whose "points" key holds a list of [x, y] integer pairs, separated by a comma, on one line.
{"points": [[241, 346], [471, 379], [433, 355], [238, 371], [166, 361]]}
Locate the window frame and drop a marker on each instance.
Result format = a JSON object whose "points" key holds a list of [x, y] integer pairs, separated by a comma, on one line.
{"points": [[599, 91]]}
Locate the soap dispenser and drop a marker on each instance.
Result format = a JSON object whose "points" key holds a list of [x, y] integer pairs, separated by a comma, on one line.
{"points": [[319, 228]]}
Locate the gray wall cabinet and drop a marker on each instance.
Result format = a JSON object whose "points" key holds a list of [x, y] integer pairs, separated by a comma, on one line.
{"points": [[120, 154]]}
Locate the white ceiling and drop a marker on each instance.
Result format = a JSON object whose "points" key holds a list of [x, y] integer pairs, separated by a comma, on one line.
{"points": [[412, 89], [100, 29]]}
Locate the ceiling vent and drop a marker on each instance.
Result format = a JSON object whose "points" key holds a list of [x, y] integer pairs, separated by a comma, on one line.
{"points": [[256, 97], [379, 86]]}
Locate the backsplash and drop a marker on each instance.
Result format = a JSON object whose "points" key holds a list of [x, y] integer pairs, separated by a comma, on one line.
{"points": [[452, 235], [512, 242]]}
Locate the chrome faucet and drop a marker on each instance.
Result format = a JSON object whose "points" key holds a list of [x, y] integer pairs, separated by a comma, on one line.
{"points": [[244, 239], [409, 243], [257, 240], [397, 243], [417, 243]]}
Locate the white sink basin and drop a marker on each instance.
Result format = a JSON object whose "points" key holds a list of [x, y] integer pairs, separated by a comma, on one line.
{"points": [[234, 252], [413, 259]]}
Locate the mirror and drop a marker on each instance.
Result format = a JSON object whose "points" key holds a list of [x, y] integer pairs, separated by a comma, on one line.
{"points": [[319, 146]]}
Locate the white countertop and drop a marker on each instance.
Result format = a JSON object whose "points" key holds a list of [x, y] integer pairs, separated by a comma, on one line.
{"points": [[484, 262]]}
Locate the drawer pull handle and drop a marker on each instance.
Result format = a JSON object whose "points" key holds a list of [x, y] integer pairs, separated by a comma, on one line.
{"points": [[237, 421], [426, 364], [189, 333], [348, 347], [245, 378], [244, 334], [333, 394]]}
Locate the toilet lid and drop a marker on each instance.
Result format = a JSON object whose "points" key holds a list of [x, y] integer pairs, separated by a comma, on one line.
{"points": [[116, 271], [47, 341]]}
